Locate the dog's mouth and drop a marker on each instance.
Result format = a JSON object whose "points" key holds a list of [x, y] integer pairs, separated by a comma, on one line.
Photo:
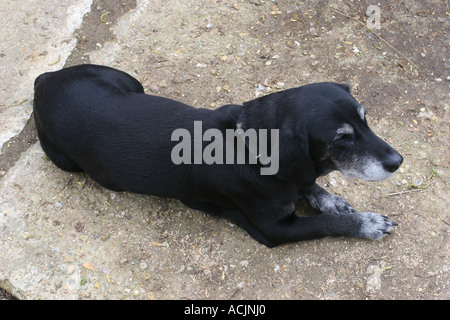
{"points": [[371, 169], [369, 172]]}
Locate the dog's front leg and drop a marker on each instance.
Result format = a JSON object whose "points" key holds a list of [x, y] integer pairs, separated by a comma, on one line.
{"points": [[291, 228], [324, 201]]}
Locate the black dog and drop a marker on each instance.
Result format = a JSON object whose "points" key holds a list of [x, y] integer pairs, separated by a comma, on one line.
{"points": [[98, 120]]}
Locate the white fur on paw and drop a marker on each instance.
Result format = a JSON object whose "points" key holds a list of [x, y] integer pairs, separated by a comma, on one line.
{"points": [[331, 203], [374, 226]]}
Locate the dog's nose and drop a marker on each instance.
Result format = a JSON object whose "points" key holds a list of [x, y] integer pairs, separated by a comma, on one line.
{"points": [[393, 162]]}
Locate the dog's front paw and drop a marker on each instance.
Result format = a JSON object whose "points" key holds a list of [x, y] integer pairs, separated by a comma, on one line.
{"points": [[331, 203], [374, 226]]}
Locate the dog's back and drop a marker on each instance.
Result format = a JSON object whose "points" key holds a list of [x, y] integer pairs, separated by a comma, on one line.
{"points": [[98, 120]]}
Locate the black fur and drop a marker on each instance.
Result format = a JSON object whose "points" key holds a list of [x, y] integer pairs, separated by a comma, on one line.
{"points": [[98, 120]]}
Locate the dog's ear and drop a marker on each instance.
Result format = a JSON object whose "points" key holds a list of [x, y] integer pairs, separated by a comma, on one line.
{"points": [[344, 86], [296, 164]]}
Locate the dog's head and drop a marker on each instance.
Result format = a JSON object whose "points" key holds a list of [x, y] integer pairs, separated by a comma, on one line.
{"points": [[340, 138], [323, 128]]}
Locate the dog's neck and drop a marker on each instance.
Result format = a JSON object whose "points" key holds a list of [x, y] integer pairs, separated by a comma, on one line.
{"points": [[263, 160]]}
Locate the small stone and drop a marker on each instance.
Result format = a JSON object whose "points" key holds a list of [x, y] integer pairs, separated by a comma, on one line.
{"points": [[154, 89], [260, 87], [143, 265], [275, 12], [313, 32], [333, 183], [147, 276], [422, 155], [70, 269], [425, 114], [374, 279], [104, 237], [244, 263], [69, 259], [79, 226], [88, 265]]}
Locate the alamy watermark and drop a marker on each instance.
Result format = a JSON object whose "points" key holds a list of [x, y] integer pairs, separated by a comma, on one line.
{"points": [[228, 149]]}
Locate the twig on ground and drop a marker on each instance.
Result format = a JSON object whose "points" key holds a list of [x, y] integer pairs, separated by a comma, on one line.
{"points": [[402, 192], [378, 36]]}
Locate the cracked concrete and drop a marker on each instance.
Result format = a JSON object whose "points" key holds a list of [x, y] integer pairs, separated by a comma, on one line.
{"points": [[37, 38], [64, 237]]}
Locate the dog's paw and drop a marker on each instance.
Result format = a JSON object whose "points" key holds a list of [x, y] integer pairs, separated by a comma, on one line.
{"points": [[374, 226], [331, 203]]}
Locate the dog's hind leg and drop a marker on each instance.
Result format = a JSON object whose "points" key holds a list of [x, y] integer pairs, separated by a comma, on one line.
{"points": [[58, 158]]}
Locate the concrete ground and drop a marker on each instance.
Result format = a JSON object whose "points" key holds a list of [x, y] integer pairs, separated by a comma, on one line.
{"points": [[62, 236]]}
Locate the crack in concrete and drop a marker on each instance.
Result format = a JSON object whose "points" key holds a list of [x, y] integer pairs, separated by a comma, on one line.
{"points": [[92, 34]]}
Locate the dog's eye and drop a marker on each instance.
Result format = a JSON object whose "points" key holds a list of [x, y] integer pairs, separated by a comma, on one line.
{"points": [[344, 132], [343, 137]]}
